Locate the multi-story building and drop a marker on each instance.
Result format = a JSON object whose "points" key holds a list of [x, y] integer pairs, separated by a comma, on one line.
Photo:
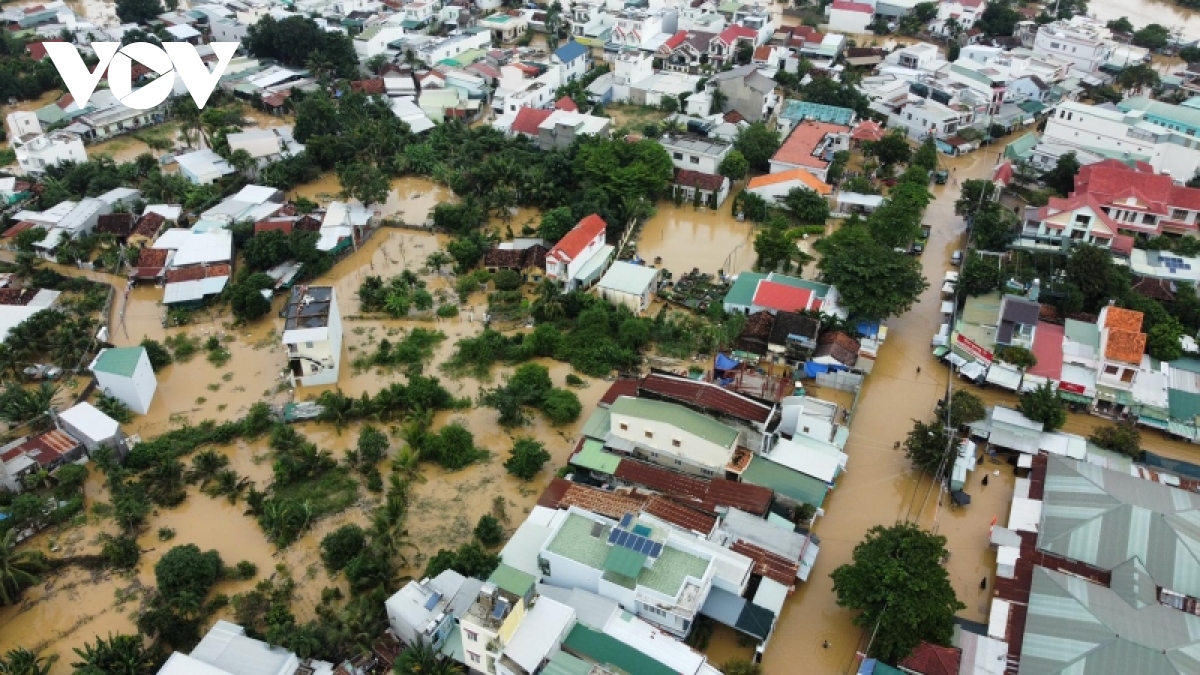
{"points": [[1122, 349], [654, 572], [440, 50], [956, 17], [37, 151], [526, 84], [685, 50], [1124, 135], [635, 27], [811, 146], [696, 153], [579, 258], [490, 623], [748, 91], [312, 332]]}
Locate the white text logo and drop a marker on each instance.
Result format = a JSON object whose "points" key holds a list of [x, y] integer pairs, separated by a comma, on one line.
{"points": [[178, 57]]}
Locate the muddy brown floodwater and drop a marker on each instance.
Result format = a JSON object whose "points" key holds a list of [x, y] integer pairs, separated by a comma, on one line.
{"points": [[708, 239]]}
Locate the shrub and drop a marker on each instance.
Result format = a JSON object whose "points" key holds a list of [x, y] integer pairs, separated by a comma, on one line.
{"points": [[341, 546], [488, 531], [526, 459]]}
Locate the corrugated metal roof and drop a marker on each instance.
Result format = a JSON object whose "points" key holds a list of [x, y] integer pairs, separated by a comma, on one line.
{"points": [[121, 361], [605, 649], [192, 291], [626, 277], [786, 482], [593, 457], [676, 416]]}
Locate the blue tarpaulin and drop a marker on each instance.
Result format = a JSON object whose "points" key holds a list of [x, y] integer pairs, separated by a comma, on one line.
{"points": [[868, 329], [812, 368], [726, 363]]}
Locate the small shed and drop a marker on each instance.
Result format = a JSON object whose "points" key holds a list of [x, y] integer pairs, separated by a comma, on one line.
{"points": [[93, 428], [125, 374], [629, 284]]}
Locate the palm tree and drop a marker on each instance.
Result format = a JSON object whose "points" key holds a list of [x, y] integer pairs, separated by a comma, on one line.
{"points": [[319, 65], [18, 569], [549, 302], [719, 99], [243, 163], [423, 659], [119, 655], [21, 661], [435, 261]]}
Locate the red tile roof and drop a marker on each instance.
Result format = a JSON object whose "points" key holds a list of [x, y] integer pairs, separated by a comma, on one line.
{"points": [[697, 179], [17, 296], [566, 103], [781, 297], [682, 516], [1122, 244], [276, 99], [119, 224], [610, 504], [763, 53], [372, 86], [930, 659], [867, 130], [554, 492], [859, 7], [578, 238], [149, 224], [800, 144], [675, 40], [1119, 318], [283, 225], [1047, 347], [618, 389], [45, 449], [661, 480], [152, 257], [705, 396], [528, 120], [768, 564], [695, 492], [734, 33], [37, 50], [17, 229], [1003, 174], [733, 117], [753, 499]]}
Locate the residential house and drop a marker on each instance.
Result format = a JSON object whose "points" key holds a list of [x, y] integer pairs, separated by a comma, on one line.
{"points": [[1087, 44], [538, 639], [755, 334], [795, 112], [727, 44], [836, 348], [437, 51], [634, 28], [422, 611], [560, 129], [629, 285], [696, 153], [343, 225], [1121, 354], [701, 16], [117, 225], [846, 16], [203, 167], [147, 228], [686, 50], [1018, 322], [921, 117], [774, 187], [125, 374], [793, 336], [198, 263], [376, 40], [492, 620], [753, 418], [651, 570], [705, 189], [93, 428], [1124, 135], [580, 257], [266, 145], [529, 261], [31, 454], [754, 292], [505, 27], [574, 59], [525, 84], [312, 332], [227, 650], [105, 117], [956, 17], [748, 91], [18, 304], [811, 146], [37, 151], [671, 435]]}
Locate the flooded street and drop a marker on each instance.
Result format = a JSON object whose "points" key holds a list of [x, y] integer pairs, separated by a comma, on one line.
{"points": [[686, 237], [1142, 12]]}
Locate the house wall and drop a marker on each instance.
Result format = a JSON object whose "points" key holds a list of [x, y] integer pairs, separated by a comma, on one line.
{"points": [[916, 120], [91, 444], [1079, 126], [45, 152], [135, 391], [635, 302], [848, 22], [752, 104], [449, 49], [576, 264], [567, 573], [320, 350], [660, 447], [475, 651], [683, 158], [1085, 53]]}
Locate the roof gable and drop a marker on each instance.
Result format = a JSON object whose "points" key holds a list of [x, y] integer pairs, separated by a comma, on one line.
{"points": [[570, 246]]}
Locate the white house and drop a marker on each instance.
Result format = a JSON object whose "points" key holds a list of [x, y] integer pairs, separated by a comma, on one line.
{"points": [[266, 145], [956, 17], [1124, 134], [92, 427], [312, 332], [579, 258], [423, 611], [631, 285], [1085, 43], [526, 85], [849, 17], [375, 40], [36, 151], [671, 435], [125, 374], [774, 187], [227, 650], [203, 167], [439, 50], [922, 117], [696, 153], [574, 60]]}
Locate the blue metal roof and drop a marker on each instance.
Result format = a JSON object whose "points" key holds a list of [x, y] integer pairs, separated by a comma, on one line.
{"points": [[570, 51]]}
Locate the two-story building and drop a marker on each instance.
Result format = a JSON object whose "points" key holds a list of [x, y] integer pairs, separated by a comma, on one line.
{"points": [[811, 146], [1085, 43], [956, 17], [1053, 228], [574, 59], [1126, 135], [748, 91], [725, 47], [685, 51], [423, 612], [1122, 352], [634, 28], [528, 84], [672, 436], [36, 151], [312, 332], [580, 258], [696, 153], [651, 570]]}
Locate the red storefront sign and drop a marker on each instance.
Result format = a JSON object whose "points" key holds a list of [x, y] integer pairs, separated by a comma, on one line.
{"points": [[973, 348], [1073, 388]]}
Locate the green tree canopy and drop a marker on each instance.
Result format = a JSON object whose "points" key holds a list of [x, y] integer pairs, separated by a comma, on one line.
{"points": [[1044, 405], [556, 223], [488, 531], [993, 227], [979, 275], [734, 166], [341, 546], [1123, 438], [927, 445], [1092, 275], [1154, 36], [526, 459], [891, 149], [875, 282], [364, 182], [900, 589], [138, 11], [186, 569], [806, 206], [1061, 178], [294, 41], [758, 144]]}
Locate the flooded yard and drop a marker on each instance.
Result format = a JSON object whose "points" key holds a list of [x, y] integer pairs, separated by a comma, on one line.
{"points": [[709, 239]]}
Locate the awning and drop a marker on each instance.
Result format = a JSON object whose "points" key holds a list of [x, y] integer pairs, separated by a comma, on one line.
{"points": [[1031, 107], [956, 360], [940, 352], [972, 371], [1005, 376], [1072, 397]]}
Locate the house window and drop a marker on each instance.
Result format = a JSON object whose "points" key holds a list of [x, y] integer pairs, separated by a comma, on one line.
{"points": [[676, 442], [1083, 220], [1148, 219], [474, 657], [544, 565], [472, 635], [694, 159], [1127, 375], [1178, 214], [706, 472], [678, 462], [649, 434], [309, 345], [624, 427], [1111, 370], [678, 155]]}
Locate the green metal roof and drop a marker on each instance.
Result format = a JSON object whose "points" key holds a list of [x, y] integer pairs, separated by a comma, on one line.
{"points": [[1184, 405], [119, 360], [742, 290], [1022, 146], [1074, 626], [593, 457], [1184, 116], [799, 110], [1103, 518], [677, 416], [1032, 107], [410, 24], [1188, 363], [563, 663], [512, 580], [791, 484], [598, 424], [1082, 332], [625, 561], [607, 650]]}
